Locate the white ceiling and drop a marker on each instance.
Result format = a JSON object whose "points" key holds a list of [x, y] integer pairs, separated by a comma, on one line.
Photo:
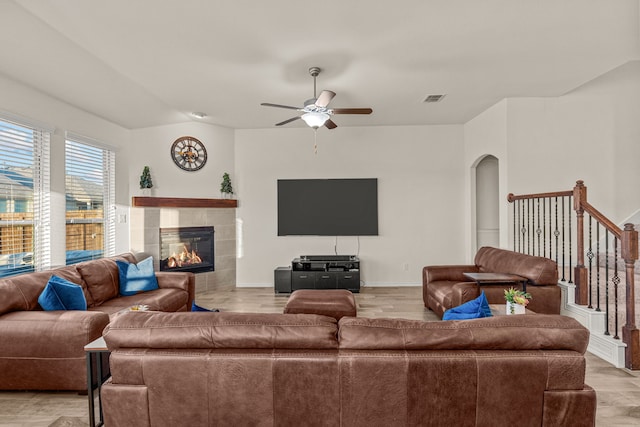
{"points": [[143, 63]]}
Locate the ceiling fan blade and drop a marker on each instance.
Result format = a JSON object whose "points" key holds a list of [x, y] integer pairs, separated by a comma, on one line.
{"points": [[292, 119], [325, 98], [330, 124], [352, 110], [267, 104]]}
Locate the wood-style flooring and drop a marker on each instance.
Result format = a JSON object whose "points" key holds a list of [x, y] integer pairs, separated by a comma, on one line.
{"points": [[618, 390]]}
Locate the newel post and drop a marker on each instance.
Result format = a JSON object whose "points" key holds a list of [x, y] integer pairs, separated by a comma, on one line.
{"points": [[630, 333], [580, 271]]}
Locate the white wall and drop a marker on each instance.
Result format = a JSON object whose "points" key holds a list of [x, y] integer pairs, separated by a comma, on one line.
{"points": [[546, 144], [484, 135], [554, 142], [152, 147], [31, 104], [592, 134], [420, 176], [616, 98]]}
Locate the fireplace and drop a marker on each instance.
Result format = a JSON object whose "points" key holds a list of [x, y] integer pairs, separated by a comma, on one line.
{"points": [[187, 249]]}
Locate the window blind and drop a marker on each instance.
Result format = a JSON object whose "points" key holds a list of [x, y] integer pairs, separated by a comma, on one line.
{"points": [[89, 200], [109, 178], [24, 198]]}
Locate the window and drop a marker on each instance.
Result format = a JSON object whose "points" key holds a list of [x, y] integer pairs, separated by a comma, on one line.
{"points": [[24, 196], [90, 199]]}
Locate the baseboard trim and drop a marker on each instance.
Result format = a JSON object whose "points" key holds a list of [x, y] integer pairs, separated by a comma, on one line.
{"points": [[389, 285], [254, 285], [603, 346], [365, 285]]}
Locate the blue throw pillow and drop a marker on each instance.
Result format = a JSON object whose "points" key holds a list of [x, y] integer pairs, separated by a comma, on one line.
{"points": [[473, 309], [195, 307], [136, 278], [61, 294]]}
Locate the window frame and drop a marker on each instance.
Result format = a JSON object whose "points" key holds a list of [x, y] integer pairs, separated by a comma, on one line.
{"points": [[108, 194], [39, 259]]}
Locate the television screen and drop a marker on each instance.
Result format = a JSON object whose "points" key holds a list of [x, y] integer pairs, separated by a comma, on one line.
{"points": [[328, 207]]}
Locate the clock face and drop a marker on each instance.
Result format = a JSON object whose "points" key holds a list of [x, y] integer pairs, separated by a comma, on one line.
{"points": [[189, 153]]}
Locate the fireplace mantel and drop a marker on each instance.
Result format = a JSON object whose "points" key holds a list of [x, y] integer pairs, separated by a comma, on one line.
{"points": [[177, 202]]}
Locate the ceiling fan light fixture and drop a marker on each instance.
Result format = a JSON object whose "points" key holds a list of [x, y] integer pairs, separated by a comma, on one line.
{"points": [[316, 111], [315, 119]]}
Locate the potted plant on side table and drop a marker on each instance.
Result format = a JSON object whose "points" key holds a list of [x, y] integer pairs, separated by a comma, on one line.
{"points": [[517, 300]]}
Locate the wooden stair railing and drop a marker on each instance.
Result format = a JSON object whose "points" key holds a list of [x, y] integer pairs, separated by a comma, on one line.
{"points": [[540, 222]]}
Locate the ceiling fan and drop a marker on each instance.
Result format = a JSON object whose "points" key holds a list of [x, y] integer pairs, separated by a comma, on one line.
{"points": [[316, 112]]}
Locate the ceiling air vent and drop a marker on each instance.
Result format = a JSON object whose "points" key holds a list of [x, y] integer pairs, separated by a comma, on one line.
{"points": [[434, 98]]}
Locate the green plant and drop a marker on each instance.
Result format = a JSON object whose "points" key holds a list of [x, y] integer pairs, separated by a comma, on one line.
{"points": [[145, 178], [225, 186], [515, 296]]}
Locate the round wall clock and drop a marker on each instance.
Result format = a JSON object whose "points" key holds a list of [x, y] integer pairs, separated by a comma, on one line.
{"points": [[189, 153]]}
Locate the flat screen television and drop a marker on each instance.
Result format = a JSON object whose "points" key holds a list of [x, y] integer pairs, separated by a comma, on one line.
{"points": [[328, 207]]}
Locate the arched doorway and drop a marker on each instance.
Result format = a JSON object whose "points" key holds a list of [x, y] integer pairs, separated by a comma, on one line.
{"points": [[487, 203]]}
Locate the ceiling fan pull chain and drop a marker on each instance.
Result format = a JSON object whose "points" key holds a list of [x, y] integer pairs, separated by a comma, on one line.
{"points": [[315, 141]]}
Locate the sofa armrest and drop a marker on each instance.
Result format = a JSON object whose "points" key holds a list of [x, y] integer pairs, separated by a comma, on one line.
{"points": [[181, 280], [464, 292], [433, 273], [49, 334]]}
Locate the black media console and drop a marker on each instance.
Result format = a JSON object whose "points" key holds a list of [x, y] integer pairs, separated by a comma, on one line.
{"points": [[319, 272]]}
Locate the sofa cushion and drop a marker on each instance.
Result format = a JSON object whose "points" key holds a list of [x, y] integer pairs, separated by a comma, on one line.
{"points": [[101, 277], [21, 292], [539, 270], [60, 294], [538, 332], [221, 331], [167, 299], [474, 309], [136, 278]]}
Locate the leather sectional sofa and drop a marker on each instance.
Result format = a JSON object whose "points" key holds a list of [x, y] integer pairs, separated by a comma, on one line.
{"points": [[44, 350], [445, 286], [244, 369]]}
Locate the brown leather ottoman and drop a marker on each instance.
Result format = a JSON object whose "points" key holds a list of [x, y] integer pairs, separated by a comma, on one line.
{"points": [[328, 302]]}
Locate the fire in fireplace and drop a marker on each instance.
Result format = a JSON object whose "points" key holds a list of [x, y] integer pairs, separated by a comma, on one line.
{"points": [[187, 249]]}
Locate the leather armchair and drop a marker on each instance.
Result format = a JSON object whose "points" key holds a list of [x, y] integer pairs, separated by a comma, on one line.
{"points": [[445, 286]]}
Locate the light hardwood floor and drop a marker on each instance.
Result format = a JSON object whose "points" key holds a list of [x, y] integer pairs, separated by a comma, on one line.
{"points": [[618, 390]]}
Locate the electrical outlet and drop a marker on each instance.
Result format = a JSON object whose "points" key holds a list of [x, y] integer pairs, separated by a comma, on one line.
{"points": [[122, 218], [405, 266]]}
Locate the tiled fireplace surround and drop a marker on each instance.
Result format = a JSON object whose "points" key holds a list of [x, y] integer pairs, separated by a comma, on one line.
{"points": [[145, 224]]}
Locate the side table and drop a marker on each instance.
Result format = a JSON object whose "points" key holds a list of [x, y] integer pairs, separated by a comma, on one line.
{"points": [[497, 279], [95, 351]]}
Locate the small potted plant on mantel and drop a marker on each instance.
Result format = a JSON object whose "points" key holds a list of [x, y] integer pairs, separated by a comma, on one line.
{"points": [[516, 300], [145, 181], [226, 190]]}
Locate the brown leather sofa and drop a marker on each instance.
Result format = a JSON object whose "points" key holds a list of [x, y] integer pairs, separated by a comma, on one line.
{"points": [[445, 286], [44, 350], [244, 369]]}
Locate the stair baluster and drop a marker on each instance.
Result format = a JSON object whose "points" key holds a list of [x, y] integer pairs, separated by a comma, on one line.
{"points": [[531, 225]]}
